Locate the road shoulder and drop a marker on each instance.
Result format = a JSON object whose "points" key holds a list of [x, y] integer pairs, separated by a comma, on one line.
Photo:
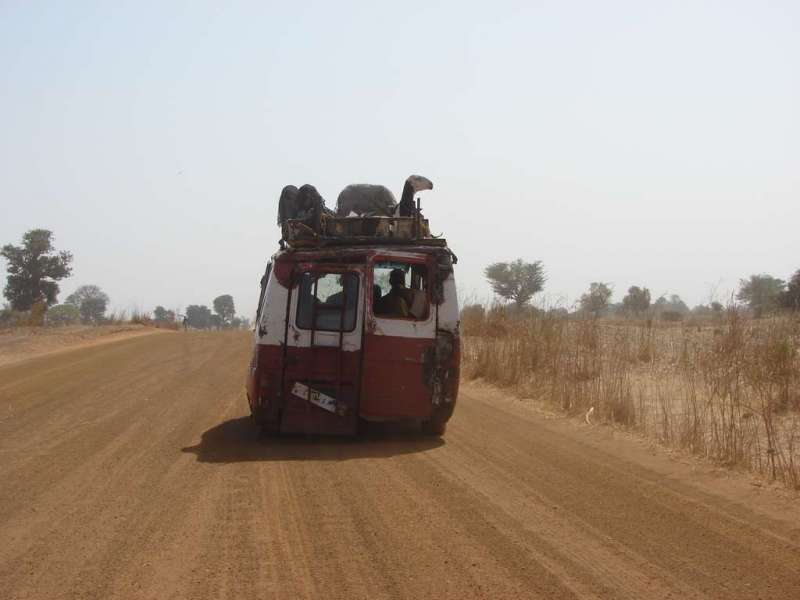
{"points": [[23, 344], [738, 491]]}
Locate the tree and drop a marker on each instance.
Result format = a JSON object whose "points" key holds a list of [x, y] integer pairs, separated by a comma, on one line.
{"points": [[677, 304], [637, 301], [791, 297], [762, 293], [162, 315], [91, 302], [33, 269], [596, 299], [198, 317], [672, 304], [517, 281], [223, 306], [63, 314]]}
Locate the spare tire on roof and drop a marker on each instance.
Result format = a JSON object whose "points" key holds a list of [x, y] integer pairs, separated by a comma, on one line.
{"points": [[365, 199]]}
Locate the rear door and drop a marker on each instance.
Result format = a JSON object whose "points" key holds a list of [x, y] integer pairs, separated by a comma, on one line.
{"points": [[397, 346], [323, 351]]}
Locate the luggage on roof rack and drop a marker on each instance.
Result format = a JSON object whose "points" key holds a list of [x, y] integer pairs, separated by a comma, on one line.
{"points": [[364, 199], [365, 213]]}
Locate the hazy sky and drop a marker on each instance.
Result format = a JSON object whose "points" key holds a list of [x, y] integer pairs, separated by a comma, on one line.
{"points": [[649, 143]]}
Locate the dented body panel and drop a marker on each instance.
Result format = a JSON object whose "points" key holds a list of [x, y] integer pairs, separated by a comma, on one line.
{"points": [[324, 356]]}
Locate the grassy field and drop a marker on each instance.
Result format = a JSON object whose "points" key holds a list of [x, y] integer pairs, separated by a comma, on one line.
{"points": [[727, 390]]}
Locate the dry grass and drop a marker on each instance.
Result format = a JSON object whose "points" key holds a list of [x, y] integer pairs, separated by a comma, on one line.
{"points": [[141, 317], [728, 391]]}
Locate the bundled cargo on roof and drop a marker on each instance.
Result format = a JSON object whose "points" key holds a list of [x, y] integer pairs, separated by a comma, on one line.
{"points": [[364, 213], [365, 200], [304, 204]]}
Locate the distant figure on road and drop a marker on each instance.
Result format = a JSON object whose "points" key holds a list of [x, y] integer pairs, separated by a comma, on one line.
{"points": [[185, 322]]}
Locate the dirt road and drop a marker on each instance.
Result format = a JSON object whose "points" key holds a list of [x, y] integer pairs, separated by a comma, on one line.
{"points": [[130, 471]]}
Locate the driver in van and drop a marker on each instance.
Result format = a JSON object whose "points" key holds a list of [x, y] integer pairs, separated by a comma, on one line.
{"points": [[351, 285], [394, 304]]}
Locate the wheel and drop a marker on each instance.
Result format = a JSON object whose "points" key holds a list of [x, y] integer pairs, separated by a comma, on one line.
{"points": [[434, 427], [267, 430], [259, 418]]}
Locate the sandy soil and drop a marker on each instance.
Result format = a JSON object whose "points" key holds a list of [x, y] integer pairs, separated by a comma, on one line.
{"points": [[131, 471], [23, 343]]}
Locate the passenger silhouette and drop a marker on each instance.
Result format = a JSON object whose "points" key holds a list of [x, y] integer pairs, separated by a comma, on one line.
{"points": [[394, 304]]}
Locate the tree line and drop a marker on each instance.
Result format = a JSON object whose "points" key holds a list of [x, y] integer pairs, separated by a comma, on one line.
{"points": [[224, 315], [518, 282], [34, 269]]}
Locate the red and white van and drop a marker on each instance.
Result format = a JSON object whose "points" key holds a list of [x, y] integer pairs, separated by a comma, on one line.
{"points": [[331, 350]]}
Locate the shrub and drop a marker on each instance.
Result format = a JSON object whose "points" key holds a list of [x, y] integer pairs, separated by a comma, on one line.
{"points": [[12, 318], [139, 317], [672, 316], [63, 314]]}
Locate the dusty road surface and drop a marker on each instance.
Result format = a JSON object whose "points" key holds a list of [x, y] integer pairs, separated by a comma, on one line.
{"points": [[130, 470], [22, 343]]}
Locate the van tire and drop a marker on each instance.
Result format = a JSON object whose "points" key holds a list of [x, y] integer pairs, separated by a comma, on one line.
{"points": [[258, 415], [268, 430], [434, 427]]}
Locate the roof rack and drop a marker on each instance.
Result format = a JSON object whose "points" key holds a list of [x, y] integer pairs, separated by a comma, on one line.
{"points": [[340, 231], [365, 214]]}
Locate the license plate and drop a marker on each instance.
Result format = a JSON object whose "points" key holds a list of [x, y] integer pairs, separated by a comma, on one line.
{"points": [[316, 397]]}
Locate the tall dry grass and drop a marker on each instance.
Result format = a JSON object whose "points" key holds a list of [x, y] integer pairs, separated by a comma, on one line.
{"points": [[141, 317], [727, 390]]}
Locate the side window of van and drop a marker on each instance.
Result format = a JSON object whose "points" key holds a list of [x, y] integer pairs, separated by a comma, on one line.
{"points": [[400, 291], [264, 281], [327, 301]]}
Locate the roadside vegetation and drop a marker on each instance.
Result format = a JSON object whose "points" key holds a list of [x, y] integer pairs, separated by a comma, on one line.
{"points": [[722, 382], [34, 270]]}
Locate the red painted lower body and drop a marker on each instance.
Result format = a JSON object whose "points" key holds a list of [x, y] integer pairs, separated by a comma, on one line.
{"points": [[393, 379], [390, 383]]}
